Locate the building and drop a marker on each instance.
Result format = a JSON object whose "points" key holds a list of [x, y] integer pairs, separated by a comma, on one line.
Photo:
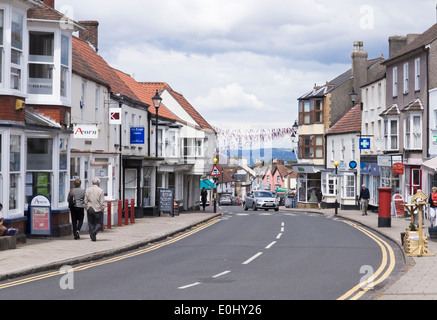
{"points": [[35, 98], [319, 110], [342, 144], [372, 129]]}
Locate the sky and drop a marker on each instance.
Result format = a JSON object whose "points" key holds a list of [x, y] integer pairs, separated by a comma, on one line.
{"points": [[244, 63]]}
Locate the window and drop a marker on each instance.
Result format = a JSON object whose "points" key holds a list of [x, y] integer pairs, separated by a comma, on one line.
{"points": [[417, 74], [41, 59], [353, 149], [391, 134], [306, 112], [65, 64], [406, 76], [63, 169], [193, 147], [413, 132], [39, 167], [342, 149], [15, 171], [395, 82], [311, 111], [349, 186], [318, 111], [171, 144], [2, 16], [311, 146], [332, 150], [16, 50]]}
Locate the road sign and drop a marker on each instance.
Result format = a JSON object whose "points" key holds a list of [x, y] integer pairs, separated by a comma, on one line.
{"points": [[365, 143], [215, 172]]}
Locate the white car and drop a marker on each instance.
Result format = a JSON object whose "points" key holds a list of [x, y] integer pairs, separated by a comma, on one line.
{"points": [[261, 200]]}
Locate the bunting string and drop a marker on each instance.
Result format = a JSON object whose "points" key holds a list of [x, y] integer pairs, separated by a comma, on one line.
{"points": [[234, 139]]}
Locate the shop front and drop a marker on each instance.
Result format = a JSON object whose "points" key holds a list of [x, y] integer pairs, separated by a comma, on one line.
{"points": [[309, 180]]}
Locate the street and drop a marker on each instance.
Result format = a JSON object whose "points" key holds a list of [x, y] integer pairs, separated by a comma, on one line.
{"points": [[244, 255]]}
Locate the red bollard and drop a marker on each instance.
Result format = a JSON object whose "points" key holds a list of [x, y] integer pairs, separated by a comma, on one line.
{"points": [[132, 211], [126, 212], [109, 215], [119, 213]]}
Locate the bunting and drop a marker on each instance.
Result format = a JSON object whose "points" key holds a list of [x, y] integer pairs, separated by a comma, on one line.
{"points": [[234, 139]]}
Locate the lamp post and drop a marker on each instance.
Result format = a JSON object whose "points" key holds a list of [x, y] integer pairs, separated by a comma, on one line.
{"points": [[215, 188], [354, 96], [157, 103], [336, 186]]}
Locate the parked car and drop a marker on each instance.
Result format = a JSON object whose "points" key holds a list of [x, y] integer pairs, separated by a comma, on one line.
{"points": [[225, 199], [261, 200]]}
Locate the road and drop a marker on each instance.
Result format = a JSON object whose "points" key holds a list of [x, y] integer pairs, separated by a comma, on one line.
{"points": [[243, 255]]}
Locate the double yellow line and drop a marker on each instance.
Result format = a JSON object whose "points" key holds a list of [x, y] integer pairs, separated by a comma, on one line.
{"points": [[388, 263], [114, 259]]}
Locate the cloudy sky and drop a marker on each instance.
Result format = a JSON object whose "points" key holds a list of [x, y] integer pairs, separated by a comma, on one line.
{"points": [[244, 63]]}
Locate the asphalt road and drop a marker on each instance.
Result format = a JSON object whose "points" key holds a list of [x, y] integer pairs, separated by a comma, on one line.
{"points": [[245, 255]]}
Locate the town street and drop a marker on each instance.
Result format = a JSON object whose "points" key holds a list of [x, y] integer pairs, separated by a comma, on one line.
{"points": [[244, 255]]}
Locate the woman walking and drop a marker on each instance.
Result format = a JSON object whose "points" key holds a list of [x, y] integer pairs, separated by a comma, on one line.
{"points": [[77, 205]]}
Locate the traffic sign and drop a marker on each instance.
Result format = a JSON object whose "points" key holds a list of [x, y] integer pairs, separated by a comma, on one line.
{"points": [[215, 172]]}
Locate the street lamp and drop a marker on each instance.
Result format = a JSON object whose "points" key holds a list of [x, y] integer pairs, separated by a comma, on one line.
{"points": [[336, 186], [215, 188], [354, 97], [157, 103]]}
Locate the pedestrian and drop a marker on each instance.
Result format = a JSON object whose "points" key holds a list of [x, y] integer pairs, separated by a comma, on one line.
{"points": [[433, 206], [95, 206], [204, 195], [319, 196], [76, 200], [364, 197]]}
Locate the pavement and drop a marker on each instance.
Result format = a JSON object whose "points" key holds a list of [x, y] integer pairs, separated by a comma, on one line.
{"points": [[417, 282]]}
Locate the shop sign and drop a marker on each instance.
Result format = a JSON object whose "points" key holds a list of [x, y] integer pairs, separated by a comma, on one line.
{"points": [[137, 135], [86, 131], [40, 216], [398, 168]]}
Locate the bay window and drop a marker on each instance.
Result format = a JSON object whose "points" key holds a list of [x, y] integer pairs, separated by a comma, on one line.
{"points": [[39, 167], [16, 50], [14, 171], [311, 146], [41, 59], [2, 17]]}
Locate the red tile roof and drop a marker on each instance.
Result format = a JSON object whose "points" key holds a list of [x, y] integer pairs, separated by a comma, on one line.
{"points": [[88, 64], [351, 122]]}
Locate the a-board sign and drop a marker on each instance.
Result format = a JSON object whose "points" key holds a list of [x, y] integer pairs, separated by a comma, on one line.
{"points": [[166, 201], [397, 202], [40, 213]]}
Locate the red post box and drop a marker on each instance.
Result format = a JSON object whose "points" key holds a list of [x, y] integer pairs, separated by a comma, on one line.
{"points": [[384, 212]]}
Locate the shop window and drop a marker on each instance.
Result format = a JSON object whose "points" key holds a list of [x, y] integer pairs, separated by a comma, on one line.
{"points": [[39, 167]]}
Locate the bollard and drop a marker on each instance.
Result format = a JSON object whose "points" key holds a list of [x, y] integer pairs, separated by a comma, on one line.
{"points": [[126, 212], [132, 211], [119, 213], [109, 215], [384, 210]]}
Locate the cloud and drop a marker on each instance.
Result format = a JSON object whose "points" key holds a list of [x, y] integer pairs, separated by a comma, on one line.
{"points": [[244, 63]]}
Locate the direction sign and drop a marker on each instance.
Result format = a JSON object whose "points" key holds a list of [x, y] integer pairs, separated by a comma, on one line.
{"points": [[215, 172]]}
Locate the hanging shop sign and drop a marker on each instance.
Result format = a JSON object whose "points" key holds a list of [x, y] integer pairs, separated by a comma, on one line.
{"points": [[86, 131], [398, 168]]}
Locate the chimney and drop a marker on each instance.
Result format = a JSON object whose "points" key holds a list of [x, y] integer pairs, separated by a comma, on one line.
{"points": [[50, 3], [359, 67], [91, 33], [395, 43]]}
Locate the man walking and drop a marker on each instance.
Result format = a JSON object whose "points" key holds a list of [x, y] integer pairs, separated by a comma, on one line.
{"points": [[364, 197], [95, 206]]}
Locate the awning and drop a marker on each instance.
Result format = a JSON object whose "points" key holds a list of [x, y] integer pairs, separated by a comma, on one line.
{"points": [[207, 184], [430, 166]]}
